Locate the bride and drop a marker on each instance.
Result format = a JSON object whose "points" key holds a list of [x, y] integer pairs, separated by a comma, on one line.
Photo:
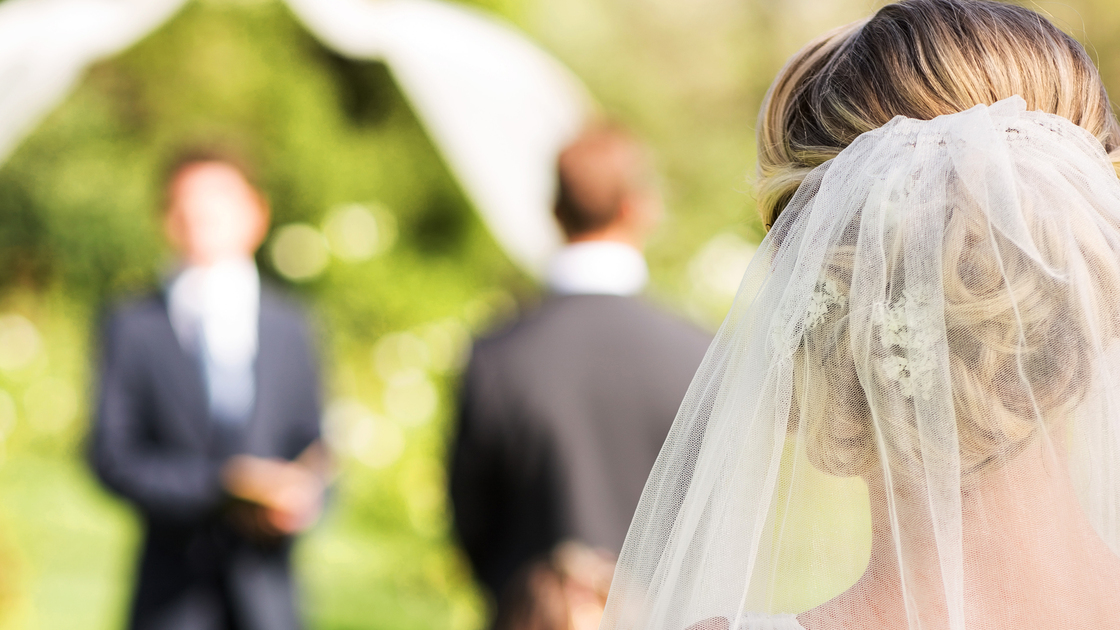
{"points": [[911, 417]]}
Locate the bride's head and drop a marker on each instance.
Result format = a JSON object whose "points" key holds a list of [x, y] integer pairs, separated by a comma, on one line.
{"points": [[1018, 334], [919, 59]]}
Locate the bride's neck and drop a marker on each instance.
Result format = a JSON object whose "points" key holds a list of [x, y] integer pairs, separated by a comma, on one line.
{"points": [[1026, 540]]}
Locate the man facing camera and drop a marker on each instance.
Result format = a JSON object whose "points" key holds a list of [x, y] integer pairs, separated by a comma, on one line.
{"points": [[562, 415], [208, 418]]}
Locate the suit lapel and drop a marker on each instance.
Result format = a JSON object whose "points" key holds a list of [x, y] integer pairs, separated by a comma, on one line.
{"points": [[261, 428], [184, 379], [183, 376]]}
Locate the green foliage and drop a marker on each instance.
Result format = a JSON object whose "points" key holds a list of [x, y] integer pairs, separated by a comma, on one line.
{"points": [[80, 227]]}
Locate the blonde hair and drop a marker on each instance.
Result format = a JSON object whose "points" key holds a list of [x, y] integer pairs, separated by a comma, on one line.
{"points": [[1020, 345], [919, 59], [1017, 349]]}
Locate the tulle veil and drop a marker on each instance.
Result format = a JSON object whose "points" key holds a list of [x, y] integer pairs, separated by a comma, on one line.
{"points": [[932, 320]]}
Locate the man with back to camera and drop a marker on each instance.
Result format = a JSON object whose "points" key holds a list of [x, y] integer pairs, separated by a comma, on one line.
{"points": [[208, 418], [563, 414]]}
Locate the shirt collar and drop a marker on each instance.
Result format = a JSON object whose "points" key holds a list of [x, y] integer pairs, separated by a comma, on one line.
{"points": [[597, 268], [220, 302]]}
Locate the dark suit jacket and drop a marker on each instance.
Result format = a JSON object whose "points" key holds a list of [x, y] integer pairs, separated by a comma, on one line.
{"points": [[562, 417], [153, 443]]}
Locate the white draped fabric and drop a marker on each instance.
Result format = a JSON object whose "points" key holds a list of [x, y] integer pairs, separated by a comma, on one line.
{"points": [[909, 418], [46, 44], [497, 107]]}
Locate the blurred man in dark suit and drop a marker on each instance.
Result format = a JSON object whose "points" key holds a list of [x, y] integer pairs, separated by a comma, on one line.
{"points": [[208, 418], [563, 415]]}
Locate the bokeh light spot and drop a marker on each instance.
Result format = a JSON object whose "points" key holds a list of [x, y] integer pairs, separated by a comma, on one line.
{"points": [[299, 252], [356, 233], [411, 398], [19, 342], [449, 343], [398, 353], [353, 430], [50, 404], [718, 267]]}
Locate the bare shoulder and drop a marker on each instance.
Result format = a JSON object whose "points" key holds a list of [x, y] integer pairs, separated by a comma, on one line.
{"points": [[770, 622], [752, 621], [862, 607]]}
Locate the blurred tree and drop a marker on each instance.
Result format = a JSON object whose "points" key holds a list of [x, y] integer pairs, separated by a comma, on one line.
{"points": [[394, 264]]}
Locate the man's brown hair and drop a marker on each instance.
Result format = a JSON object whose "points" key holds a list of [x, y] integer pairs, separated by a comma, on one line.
{"points": [[190, 155], [595, 173]]}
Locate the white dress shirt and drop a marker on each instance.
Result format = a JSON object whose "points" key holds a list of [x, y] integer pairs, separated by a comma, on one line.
{"points": [[598, 268], [215, 311]]}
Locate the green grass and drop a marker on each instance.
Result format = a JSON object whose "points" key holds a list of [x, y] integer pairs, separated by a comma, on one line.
{"points": [[70, 549], [72, 545]]}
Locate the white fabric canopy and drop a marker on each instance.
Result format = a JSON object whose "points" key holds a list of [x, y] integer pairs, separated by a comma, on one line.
{"points": [[46, 44], [496, 106]]}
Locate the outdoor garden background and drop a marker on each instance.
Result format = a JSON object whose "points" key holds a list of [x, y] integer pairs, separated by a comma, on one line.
{"points": [[373, 234]]}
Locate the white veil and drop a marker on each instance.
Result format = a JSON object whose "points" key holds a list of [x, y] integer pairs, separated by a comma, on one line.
{"points": [[922, 353]]}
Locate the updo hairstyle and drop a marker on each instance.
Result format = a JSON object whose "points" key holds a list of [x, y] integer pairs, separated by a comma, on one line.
{"points": [[920, 59], [1018, 346]]}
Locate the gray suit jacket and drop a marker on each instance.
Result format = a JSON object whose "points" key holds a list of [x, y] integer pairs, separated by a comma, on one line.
{"points": [[561, 419], [153, 443]]}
